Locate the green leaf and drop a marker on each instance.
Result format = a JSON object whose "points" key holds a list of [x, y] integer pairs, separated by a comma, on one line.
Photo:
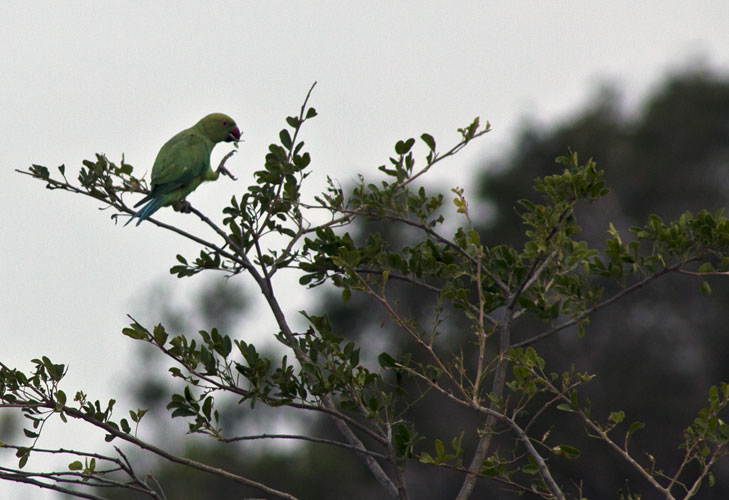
{"points": [[207, 407], [292, 121], [136, 416], [136, 332], [285, 138], [75, 465], [566, 451], [616, 416], [439, 448], [402, 147], [159, 334], [428, 139], [706, 267], [386, 361], [530, 469], [40, 171], [634, 427], [705, 288], [60, 398]]}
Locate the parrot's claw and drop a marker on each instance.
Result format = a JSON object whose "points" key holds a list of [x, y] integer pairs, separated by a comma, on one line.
{"points": [[182, 206], [225, 171]]}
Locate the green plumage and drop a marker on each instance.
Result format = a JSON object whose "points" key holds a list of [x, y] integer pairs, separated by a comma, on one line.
{"points": [[183, 163]]}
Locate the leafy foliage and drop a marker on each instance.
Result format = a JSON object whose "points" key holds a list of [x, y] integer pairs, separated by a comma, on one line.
{"points": [[554, 281]]}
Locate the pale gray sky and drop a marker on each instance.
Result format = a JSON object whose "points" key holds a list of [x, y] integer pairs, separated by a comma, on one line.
{"points": [[78, 78]]}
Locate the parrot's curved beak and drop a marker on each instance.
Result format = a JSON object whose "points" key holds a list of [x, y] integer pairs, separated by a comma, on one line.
{"points": [[234, 135]]}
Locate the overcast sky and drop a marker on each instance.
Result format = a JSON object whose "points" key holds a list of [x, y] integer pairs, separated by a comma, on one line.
{"points": [[79, 78]]}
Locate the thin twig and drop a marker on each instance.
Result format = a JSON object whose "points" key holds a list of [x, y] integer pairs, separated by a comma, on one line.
{"points": [[481, 333], [441, 239], [437, 158], [412, 333], [513, 425], [497, 387], [174, 458], [603, 435], [303, 438], [22, 478], [596, 307]]}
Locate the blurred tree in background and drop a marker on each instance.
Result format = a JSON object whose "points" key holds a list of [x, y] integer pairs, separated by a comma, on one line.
{"points": [[656, 353]]}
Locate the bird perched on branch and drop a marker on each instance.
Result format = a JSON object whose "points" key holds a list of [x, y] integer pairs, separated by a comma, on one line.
{"points": [[183, 163]]}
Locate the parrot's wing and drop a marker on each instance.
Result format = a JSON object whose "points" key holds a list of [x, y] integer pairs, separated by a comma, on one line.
{"points": [[180, 161]]}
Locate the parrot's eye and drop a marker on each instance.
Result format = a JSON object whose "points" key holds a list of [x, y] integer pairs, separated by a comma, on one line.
{"points": [[225, 124]]}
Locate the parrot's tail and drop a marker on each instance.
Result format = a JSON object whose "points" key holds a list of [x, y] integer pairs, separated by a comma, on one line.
{"points": [[151, 207]]}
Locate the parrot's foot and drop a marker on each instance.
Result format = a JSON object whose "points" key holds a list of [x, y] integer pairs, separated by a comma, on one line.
{"points": [[225, 171], [182, 206]]}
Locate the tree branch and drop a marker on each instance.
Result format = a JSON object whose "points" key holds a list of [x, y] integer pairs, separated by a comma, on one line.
{"points": [[171, 457], [596, 307], [21, 477], [304, 438]]}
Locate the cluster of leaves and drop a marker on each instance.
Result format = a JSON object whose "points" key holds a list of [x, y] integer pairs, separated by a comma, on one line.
{"points": [[39, 397], [101, 179]]}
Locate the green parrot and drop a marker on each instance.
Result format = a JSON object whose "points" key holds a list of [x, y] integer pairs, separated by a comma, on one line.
{"points": [[183, 163]]}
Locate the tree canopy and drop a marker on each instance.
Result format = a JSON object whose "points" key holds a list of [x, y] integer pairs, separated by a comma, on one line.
{"points": [[561, 345]]}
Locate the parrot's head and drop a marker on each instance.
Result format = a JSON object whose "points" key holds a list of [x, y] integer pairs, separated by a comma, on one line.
{"points": [[219, 127]]}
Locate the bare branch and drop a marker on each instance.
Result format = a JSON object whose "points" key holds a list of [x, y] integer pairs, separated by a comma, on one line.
{"points": [[21, 477], [174, 458], [304, 438]]}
